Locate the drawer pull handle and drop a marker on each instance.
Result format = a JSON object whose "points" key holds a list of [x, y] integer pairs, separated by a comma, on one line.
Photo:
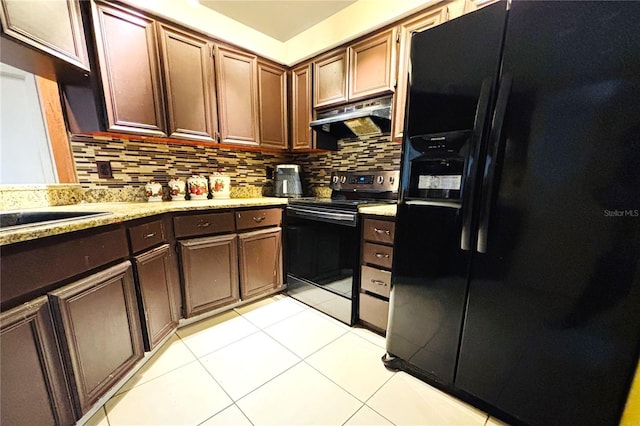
{"points": [[151, 235], [259, 218], [203, 224], [382, 231], [379, 282], [382, 255]]}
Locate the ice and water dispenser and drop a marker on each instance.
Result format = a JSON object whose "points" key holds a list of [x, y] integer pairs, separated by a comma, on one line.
{"points": [[436, 164]]}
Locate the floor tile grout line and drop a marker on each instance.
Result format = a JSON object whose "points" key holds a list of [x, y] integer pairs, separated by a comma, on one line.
{"points": [[123, 391], [221, 347], [269, 381], [280, 320], [373, 394], [364, 338], [282, 344], [233, 401], [325, 345], [351, 416], [332, 381]]}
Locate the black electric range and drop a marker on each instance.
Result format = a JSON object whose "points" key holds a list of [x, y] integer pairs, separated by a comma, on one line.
{"points": [[323, 241]]}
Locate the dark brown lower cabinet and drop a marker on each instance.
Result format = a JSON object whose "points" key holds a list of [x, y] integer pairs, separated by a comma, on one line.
{"points": [[260, 261], [155, 287], [210, 273], [100, 331], [33, 389]]}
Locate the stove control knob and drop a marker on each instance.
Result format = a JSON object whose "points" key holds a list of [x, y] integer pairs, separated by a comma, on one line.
{"points": [[335, 179], [343, 179], [380, 180], [391, 180]]}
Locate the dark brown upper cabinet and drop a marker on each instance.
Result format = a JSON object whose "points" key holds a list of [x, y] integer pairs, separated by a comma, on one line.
{"points": [[238, 95], [34, 389], [330, 78], [372, 65], [126, 47], [407, 27], [187, 65], [272, 85], [54, 27], [301, 111]]}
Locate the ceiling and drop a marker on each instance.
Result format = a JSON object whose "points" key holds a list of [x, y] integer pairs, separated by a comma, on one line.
{"points": [[281, 20]]}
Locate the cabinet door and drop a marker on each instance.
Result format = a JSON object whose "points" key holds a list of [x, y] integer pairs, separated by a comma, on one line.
{"points": [[34, 390], [330, 79], [100, 333], [301, 133], [238, 95], [260, 261], [272, 84], [155, 288], [416, 24], [188, 75], [54, 27], [129, 66], [209, 273], [372, 65]]}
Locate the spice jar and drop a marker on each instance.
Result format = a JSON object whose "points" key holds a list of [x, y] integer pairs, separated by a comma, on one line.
{"points": [[197, 187], [177, 189], [153, 190], [220, 184]]}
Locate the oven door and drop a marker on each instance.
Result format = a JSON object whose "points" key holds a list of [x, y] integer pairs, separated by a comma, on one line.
{"points": [[323, 249]]}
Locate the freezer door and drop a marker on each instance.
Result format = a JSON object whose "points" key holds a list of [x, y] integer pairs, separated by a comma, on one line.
{"points": [[551, 333], [445, 121]]}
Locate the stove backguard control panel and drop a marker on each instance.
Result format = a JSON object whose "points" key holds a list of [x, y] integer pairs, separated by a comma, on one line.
{"points": [[377, 181]]}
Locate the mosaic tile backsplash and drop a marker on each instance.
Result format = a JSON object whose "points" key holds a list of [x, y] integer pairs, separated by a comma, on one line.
{"points": [[362, 154], [134, 162]]}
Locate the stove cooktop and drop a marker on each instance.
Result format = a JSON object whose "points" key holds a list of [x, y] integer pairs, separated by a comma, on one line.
{"points": [[337, 203]]}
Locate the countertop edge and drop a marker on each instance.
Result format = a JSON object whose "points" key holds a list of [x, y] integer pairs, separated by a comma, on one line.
{"points": [[122, 212]]}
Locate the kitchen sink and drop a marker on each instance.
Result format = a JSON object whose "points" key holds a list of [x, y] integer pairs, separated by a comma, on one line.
{"points": [[13, 220]]}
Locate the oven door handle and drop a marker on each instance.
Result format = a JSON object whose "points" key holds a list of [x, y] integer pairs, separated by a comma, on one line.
{"points": [[347, 218]]}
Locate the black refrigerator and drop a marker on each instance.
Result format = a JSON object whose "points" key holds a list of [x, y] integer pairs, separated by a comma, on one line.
{"points": [[516, 275]]}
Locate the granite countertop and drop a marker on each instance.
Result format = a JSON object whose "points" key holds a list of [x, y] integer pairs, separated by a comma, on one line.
{"points": [[383, 210], [123, 211]]}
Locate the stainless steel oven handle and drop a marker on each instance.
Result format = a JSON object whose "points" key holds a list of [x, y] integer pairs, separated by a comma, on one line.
{"points": [[311, 214]]}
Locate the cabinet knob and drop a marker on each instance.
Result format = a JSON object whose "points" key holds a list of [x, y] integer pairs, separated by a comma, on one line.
{"points": [[259, 218], [382, 255], [379, 282], [151, 235], [203, 224]]}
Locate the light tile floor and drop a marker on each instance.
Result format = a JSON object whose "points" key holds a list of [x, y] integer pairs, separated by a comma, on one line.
{"points": [[278, 362]]}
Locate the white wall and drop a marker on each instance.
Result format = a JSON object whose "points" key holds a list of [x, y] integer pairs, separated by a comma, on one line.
{"points": [[355, 20], [208, 21]]}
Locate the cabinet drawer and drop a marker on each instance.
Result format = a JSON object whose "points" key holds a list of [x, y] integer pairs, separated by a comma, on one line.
{"points": [[203, 224], [379, 231], [258, 218], [31, 269], [146, 235], [376, 281], [374, 311], [377, 254]]}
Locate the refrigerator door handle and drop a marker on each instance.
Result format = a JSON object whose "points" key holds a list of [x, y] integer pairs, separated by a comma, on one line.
{"points": [[471, 166], [490, 165]]}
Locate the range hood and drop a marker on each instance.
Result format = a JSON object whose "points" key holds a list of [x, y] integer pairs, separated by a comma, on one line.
{"points": [[371, 117]]}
